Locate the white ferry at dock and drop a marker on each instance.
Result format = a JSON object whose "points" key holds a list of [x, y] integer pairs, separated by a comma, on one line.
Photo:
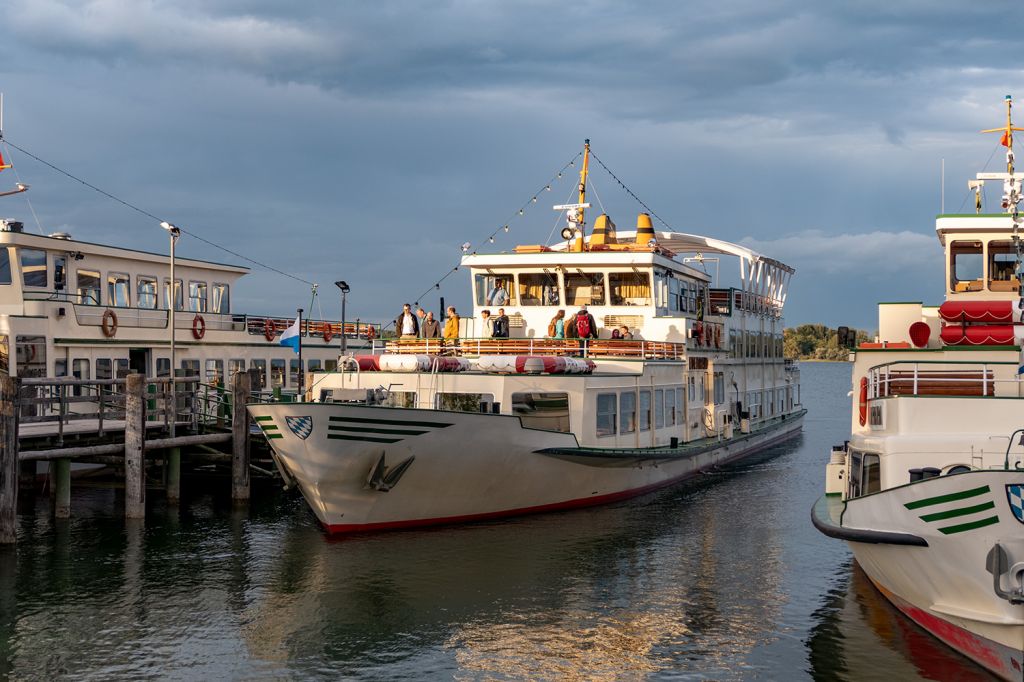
{"points": [[428, 431], [929, 490]]}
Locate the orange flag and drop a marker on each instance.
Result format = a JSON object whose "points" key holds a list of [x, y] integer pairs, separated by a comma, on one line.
{"points": [[1006, 140], [2, 164]]}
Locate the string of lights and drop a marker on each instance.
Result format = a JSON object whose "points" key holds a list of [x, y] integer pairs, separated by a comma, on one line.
{"points": [[155, 218], [628, 190], [506, 225]]}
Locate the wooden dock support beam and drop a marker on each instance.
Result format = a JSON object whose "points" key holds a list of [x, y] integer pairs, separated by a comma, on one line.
{"points": [[8, 459], [240, 437], [173, 475], [62, 485], [134, 446]]}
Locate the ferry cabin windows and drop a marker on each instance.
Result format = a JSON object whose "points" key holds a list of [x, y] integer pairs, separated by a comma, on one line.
{"points": [[630, 288], [33, 268], [117, 290], [645, 410], [606, 414], [584, 288], [277, 373], [547, 411], [220, 302], [197, 296], [293, 372], [464, 402], [659, 408], [1002, 261], [88, 283], [178, 300], [965, 266], [31, 355], [627, 413], [146, 287], [538, 288], [864, 474], [400, 399], [489, 293], [5, 266], [215, 371]]}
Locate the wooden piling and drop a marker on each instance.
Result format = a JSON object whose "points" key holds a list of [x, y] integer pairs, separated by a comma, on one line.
{"points": [[62, 485], [134, 445], [9, 387], [173, 475], [240, 437]]}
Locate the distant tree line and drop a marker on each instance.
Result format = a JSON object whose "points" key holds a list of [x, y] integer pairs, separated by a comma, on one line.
{"points": [[817, 342]]}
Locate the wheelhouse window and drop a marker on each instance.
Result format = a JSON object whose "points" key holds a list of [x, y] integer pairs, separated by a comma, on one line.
{"points": [[584, 288], [854, 482], [1002, 262], [146, 287], [197, 296], [118, 290], [630, 288], [60, 273], [547, 411], [178, 300], [965, 266], [494, 289], [220, 302], [872, 478], [5, 266], [88, 283], [33, 268], [627, 412], [538, 288], [606, 417]]}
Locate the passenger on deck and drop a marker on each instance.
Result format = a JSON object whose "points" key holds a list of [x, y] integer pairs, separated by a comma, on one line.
{"points": [[421, 315], [586, 326], [486, 324], [406, 324], [498, 295], [451, 324], [431, 328], [501, 325], [556, 328], [624, 333]]}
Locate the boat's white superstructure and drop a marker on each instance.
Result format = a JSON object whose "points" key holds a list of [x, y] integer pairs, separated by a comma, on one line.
{"points": [[928, 491], [434, 430]]}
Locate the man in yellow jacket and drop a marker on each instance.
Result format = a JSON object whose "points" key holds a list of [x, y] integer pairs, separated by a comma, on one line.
{"points": [[451, 324]]}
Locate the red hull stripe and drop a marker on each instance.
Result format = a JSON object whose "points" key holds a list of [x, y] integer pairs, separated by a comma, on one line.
{"points": [[554, 506]]}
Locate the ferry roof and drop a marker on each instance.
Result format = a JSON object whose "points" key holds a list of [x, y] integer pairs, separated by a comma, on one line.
{"points": [[960, 223], [56, 243], [556, 258]]}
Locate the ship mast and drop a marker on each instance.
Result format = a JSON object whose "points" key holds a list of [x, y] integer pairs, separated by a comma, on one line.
{"points": [[581, 220], [19, 187], [1011, 189]]}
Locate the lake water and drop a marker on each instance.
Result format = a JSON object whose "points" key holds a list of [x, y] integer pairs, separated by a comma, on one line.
{"points": [[722, 578]]}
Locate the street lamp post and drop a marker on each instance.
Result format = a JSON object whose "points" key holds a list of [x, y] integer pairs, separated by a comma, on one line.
{"points": [[343, 285], [172, 300]]}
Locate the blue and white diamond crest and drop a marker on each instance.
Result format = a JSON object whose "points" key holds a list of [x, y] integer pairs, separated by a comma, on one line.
{"points": [[300, 426], [1015, 494]]}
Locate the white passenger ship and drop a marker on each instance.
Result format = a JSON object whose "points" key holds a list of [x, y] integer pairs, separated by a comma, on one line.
{"points": [[928, 491], [427, 431]]}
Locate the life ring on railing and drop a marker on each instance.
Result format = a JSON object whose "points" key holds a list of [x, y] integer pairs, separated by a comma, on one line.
{"points": [[718, 336], [109, 323], [371, 333], [328, 332], [198, 327], [269, 329], [863, 401], [700, 333]]}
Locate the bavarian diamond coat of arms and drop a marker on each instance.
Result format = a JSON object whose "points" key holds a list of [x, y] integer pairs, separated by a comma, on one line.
{"points": [[300, 426]]}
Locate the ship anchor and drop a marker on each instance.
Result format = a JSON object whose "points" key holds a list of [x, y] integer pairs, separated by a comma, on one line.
{"points": [[383, 478]]}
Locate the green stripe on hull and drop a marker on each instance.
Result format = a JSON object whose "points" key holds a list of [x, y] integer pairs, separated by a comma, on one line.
{"points": [[403, 432], [392, 422], [273, 435], [338, 436], [949, 530], [264, 418], [964, 511], [951, 497], [268, 427]]}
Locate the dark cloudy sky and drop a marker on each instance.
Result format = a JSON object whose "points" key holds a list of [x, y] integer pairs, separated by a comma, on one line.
{"points": [[368, 140]]}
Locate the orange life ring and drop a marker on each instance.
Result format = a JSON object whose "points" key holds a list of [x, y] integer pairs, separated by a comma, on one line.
{"points": [[269, 329], [718, 336], [328, 332], [109, 324], [700, 333], [198, 327], [863, 401], [371, 333]]}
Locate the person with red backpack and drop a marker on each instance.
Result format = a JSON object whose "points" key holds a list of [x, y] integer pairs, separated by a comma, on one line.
{"points": [[586, 326]]}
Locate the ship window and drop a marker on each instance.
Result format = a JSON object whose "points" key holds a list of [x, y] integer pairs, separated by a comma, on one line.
{"points": [[163, 367], [330, 365], [104, 370], [197, 296], [855, 461], [872, 480], [405, 399], [627, 413], [659, 409], [178, 301], [489, 293], [277, 373], [670, 407], [539, 288], [679, 405], [606, 407], [60, 273], [214, 371], [293, 372], [547, 411], [1002, 263], [80, 370], [5, 266], [464, 402], [88, 287], [965, 266], [630, 288], [33, 268], [719, 388], [313, 365], [234, 366], [584, 288], [261, 374], [117, 290], [31, 355], [146, 292], [645, 410], [221, 301]]}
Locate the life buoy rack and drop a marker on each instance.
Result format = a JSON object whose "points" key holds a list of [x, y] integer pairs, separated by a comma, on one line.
{"points": [[198, 327], [863, 402], [109, 323], [269, 329], [371, 333], [328, 332]]}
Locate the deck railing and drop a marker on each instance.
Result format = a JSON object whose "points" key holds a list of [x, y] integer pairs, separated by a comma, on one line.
{"points": [[944, 378], [593, 348]]}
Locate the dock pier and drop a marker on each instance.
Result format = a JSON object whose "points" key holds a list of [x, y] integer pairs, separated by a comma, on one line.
{"points": [[63, 421]]}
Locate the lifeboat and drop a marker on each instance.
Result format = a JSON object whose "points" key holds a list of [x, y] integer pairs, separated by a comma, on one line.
{"points": [[534, 364], [978, 335], [987, 312]]}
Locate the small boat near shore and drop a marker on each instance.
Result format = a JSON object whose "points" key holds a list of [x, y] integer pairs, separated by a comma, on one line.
{"points": [[929, 490], [430, 431]]}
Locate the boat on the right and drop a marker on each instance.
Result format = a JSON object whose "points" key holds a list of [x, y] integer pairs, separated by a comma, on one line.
{"points": [[929, 490]]}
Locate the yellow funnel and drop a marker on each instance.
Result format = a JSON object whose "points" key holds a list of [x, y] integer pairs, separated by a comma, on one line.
{"points": [[603, 232], [644, 229]]}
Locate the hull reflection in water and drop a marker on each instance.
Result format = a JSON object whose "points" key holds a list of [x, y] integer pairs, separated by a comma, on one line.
{"points": [[856, 618]]}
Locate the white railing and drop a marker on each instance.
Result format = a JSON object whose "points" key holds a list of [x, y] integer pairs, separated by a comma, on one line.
{"points": [[959, 379]]}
